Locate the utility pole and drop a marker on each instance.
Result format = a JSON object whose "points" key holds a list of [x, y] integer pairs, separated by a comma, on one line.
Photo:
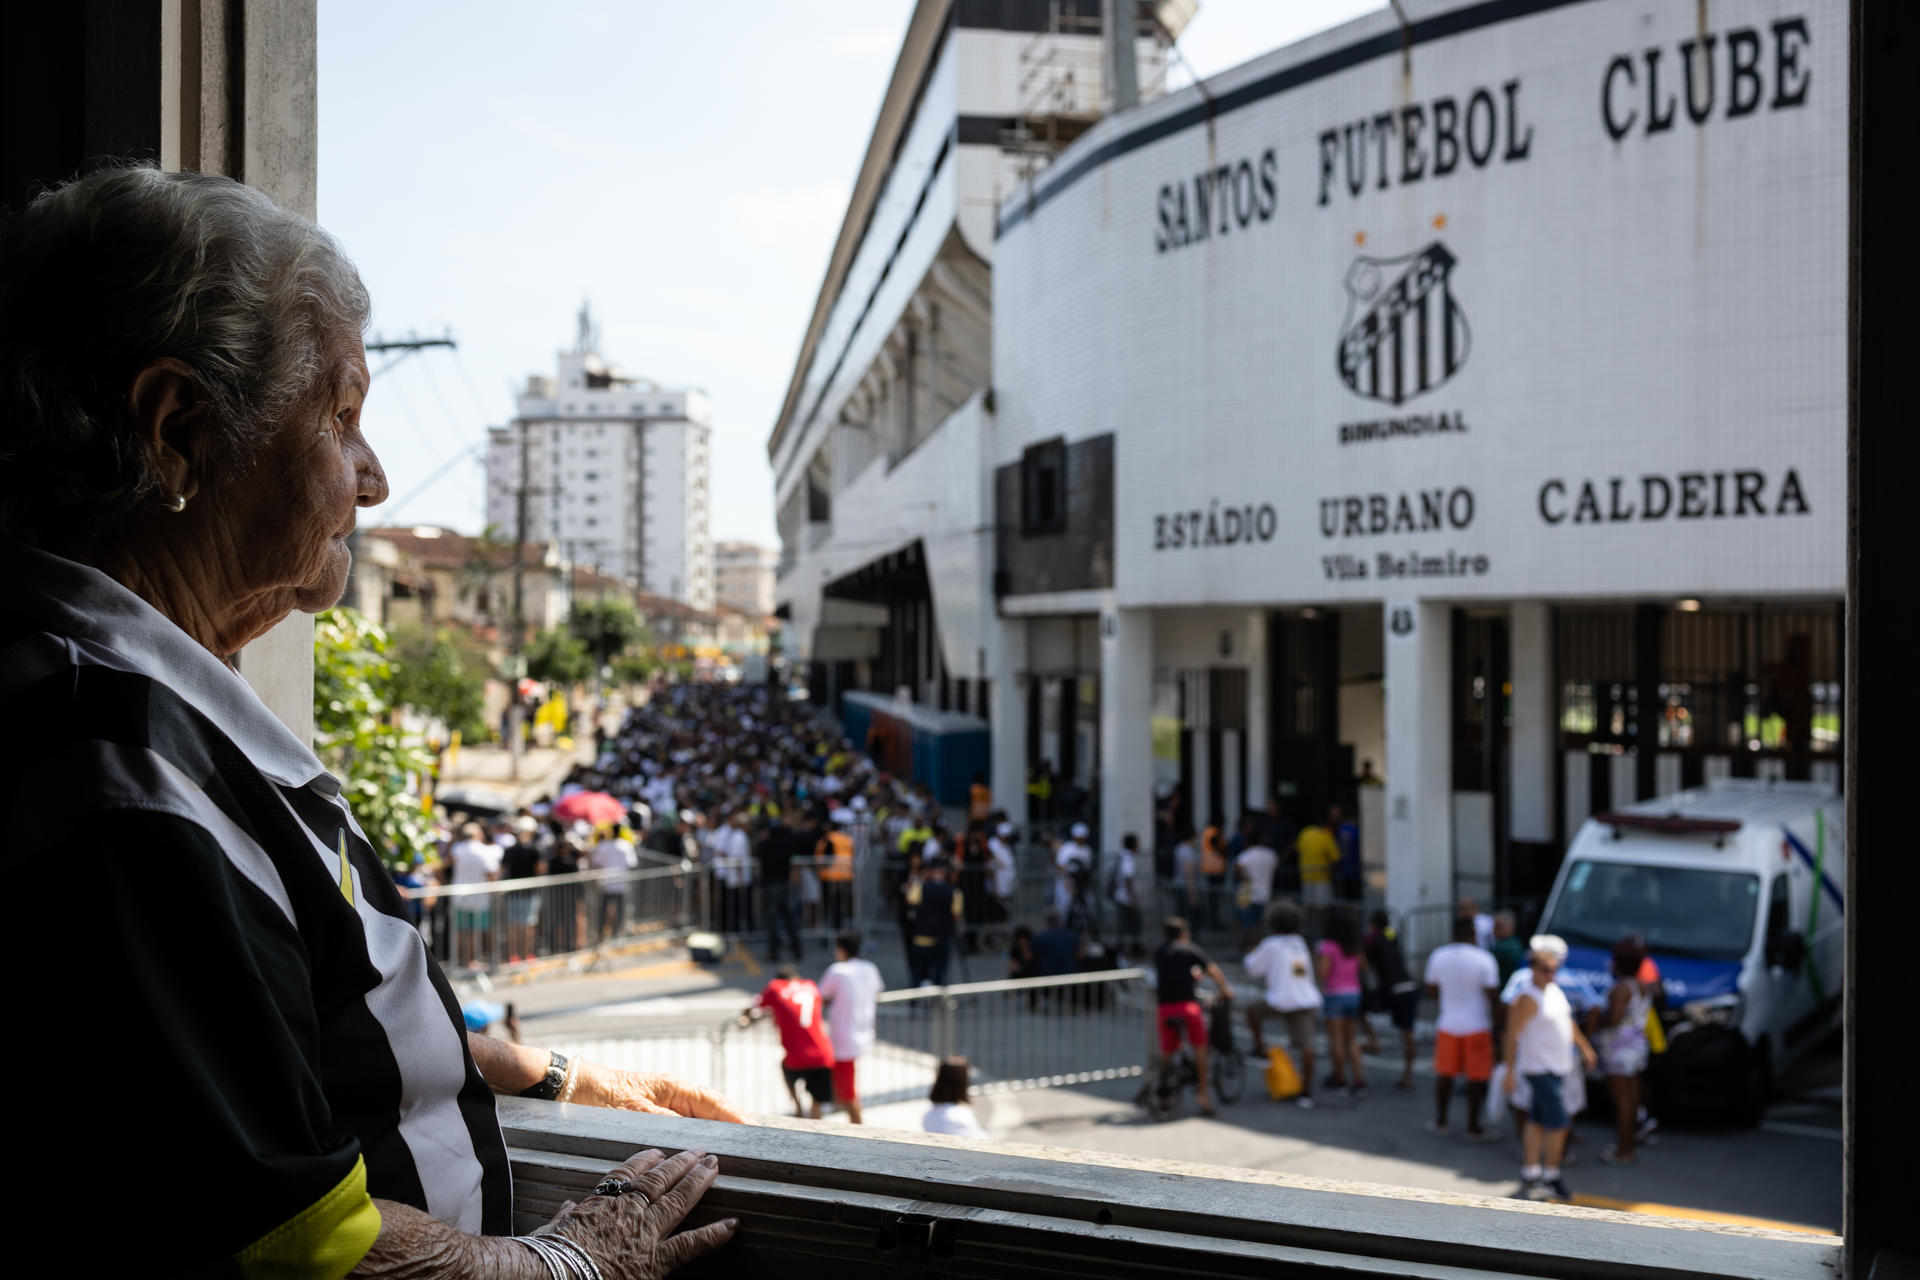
{"points": [[517, 662]]}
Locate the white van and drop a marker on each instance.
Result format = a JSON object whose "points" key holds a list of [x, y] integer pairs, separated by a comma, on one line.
{"points": [[1737, 889]]}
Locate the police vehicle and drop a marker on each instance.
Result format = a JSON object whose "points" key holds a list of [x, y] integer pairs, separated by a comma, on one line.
{"points": [[1737, 888]]}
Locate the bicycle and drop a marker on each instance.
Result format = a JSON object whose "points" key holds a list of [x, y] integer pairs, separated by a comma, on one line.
{"points": [[1173, 1074]]}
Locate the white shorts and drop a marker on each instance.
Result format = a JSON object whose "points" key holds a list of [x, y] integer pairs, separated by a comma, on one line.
{"points": [[1317, 893]]}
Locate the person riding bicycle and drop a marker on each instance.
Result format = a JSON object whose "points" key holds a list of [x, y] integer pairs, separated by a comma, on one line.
{"points": [[1179, 964]]}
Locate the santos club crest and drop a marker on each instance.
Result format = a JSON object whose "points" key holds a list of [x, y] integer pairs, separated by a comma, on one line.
{"points": [[1404, 333]]}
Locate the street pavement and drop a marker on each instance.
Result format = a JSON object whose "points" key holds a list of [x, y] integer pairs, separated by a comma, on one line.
{"points": [[664, 1012]]}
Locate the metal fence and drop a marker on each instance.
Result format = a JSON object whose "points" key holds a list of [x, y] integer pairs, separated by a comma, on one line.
{"points": [[578, 918], [1023, 1034]]}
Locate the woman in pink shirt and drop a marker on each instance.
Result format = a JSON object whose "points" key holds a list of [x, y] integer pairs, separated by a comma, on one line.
{"points": [[1340, 962]]}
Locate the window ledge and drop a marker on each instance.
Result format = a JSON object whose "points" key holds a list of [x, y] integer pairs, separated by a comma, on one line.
{"points": [[827, 1200]]}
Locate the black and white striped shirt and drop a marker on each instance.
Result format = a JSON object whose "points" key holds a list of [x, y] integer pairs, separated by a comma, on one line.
{"points": [[233, 990]]}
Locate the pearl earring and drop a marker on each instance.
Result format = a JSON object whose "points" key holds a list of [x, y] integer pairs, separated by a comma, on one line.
{"points": [[177, 503]]}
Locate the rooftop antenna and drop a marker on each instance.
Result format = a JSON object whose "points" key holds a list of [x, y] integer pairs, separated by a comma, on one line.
{"points": [[586, 340]]}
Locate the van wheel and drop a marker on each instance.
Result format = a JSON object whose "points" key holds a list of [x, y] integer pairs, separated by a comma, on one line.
{"points": [[1754, 1088]]}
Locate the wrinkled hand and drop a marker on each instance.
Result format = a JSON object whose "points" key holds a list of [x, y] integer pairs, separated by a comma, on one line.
{"points": [[1507, 1081], [632, 1236], [602, 1086]]}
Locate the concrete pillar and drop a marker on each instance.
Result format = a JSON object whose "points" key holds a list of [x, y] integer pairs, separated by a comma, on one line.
{"points": [[1006, 669], [191, 82], [1126, 727], [1259, 722], [1532, 745], [1419, 772]]}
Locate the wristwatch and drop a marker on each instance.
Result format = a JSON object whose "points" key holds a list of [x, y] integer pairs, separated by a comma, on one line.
{"points": [[548, 1086]]}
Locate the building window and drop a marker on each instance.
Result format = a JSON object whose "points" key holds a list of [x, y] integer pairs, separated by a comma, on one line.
{"points": [[1043, 489], [593, 475]]}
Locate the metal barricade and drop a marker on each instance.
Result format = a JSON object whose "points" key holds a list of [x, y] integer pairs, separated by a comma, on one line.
{"points": [[495, 926], [1022, 1034]]}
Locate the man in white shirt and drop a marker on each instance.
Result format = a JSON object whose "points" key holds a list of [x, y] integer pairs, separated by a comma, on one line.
{"points": [[1466, 981], [851, 987], [1003, 872], [1284, 963], [472, 859], [614, 852], [1072, 861], [733, 867], [1254, 866]]}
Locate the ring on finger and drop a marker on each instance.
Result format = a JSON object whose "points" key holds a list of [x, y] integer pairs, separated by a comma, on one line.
{"points": [[611, 1186]]}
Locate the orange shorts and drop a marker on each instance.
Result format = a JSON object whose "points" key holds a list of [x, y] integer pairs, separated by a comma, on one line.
{"points": [[843, 1090], [1470, 1055]]}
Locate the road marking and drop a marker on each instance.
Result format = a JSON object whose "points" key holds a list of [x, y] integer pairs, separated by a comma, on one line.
{"points": [[745, 957], [665, 969], [1694, 1215], [1802, 1130]]}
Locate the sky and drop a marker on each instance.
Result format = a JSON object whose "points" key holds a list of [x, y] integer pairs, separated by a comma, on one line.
{"points": [[682, 167]]}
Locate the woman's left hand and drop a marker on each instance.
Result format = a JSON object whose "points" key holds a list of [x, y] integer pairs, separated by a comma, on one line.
{"points": [[602, 1086]]}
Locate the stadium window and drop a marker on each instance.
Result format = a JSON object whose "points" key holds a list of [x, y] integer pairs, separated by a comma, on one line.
{"points": [[1043, 489]]}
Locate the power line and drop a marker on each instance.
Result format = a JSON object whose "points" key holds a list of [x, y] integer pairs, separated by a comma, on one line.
{"points": [[394, 512]]}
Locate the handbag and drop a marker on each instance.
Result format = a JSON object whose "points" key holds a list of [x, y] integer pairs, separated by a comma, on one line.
{"points": [[1283, 1078]]}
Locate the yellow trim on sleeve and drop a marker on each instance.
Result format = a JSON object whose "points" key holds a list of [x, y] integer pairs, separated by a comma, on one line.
{"points": [[346, 869], [323, 1241]]}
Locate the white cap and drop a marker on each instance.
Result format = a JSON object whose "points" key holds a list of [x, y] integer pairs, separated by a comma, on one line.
{"points": [[1548, 947], [1079, 831], [1004, 829], [859, 802]]}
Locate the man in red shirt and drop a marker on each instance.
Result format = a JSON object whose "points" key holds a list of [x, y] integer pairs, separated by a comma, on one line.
{"points": [[794, 1003]]}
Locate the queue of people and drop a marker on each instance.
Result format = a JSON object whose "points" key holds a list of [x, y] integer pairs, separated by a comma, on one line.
{"points": [[1504, 1027]]}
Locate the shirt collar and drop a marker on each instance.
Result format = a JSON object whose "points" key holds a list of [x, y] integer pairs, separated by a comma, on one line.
{"points": [[84, 605]]}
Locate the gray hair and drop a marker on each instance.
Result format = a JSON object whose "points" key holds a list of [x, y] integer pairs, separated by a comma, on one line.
{"points": [[126, 265]]}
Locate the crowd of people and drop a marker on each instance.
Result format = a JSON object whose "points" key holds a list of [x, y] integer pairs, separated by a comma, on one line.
{"points": [[770, 803], [1503, 1024]]}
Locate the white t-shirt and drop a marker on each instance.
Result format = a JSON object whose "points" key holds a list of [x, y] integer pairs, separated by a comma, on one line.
{"points": [[956, 1118], [1283, 960], [474, 861], [614, 855], [1004, 872], [1546, 1042], [1483, 931], [1123, 874], [1070, 852], [733, 857], [849, 988], [1258, 861], [1464, 973]]}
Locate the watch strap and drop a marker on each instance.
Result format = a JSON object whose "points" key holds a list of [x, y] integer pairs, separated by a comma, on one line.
{"points": [[548, 1086]]}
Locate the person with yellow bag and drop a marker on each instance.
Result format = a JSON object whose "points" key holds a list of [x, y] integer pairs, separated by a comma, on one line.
{"points": [[1284, 963]]}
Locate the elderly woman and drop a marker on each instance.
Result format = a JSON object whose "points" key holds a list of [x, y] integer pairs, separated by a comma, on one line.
{"points": [[250, 1063]]}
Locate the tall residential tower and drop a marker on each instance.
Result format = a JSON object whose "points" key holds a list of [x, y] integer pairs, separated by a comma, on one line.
{"points": [[616, 473]]}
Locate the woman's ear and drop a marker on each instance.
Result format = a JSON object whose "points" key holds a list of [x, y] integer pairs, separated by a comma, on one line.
{"points": [[168, 415]]}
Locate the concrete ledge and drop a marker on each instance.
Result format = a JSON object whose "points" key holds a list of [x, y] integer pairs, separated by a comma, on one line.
{"points": [[840, 1203]]}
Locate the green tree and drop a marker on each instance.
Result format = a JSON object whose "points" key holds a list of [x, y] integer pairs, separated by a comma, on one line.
{"points": [[606, 627], [557, 656], [433, 676], [634, 668], [355, 737]]}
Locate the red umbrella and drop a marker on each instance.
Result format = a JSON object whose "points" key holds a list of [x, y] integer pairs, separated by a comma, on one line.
{"points": [[596, 807]]}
